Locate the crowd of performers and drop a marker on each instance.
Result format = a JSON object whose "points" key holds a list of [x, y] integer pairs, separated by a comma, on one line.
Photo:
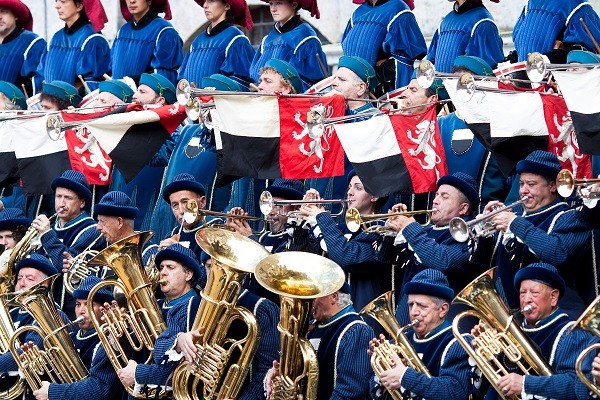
{"points": [[543, 248]]}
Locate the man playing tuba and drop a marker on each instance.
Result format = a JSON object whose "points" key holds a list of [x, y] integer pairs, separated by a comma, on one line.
{"points": [[429, 298]]}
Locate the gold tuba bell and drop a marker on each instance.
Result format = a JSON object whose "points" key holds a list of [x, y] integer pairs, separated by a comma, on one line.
{"points": [[381, 310], [59, 361], [502, 334], [7, 330], [298, 278], [234, 257], [142, 322], [590, 321]]}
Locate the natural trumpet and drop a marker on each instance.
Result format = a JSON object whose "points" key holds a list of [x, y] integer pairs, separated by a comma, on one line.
{"points": [[191, 212], [267, 203], [481, 226], [537, 67], [375, 223], [566, 184]]}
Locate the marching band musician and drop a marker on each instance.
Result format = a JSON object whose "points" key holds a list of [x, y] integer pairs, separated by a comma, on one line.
{"points": [[73, 231], [353, 251], [542, 229], [267, 316], [416, 100], [540, 287], [222, 48], [116, 215], [59, 95], [79, 49], [387, 36], [102, 382], [180, 269], [416, 247], [113, 93], [293, 41], [21, 49], [13, 224], [146, 43], [429, 298], [340, 339]]}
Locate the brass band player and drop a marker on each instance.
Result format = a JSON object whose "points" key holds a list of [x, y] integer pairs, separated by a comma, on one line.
{"points": [[429, 298]]}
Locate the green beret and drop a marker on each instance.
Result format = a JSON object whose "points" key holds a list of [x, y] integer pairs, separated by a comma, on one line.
{"points": [[582, 57], [360, 67], [62, 90], [14, 94], [476, 65], [118, 88], [287, 71], [160, 85], [221, 82]]}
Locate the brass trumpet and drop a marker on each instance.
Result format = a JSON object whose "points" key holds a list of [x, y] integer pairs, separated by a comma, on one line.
{"points": [[191, 212], [537, 68], [590, 321], [375, 223], [481, 226], [267, 203], [566, 184]]}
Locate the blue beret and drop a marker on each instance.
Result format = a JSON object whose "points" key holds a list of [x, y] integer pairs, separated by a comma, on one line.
{"points": [[14, 94], [287, 71], [289, 189], [360, 67], [118, 88], [38, 262], [116, 204], [465, 184], [541, 272], [540, 162], [583, 57], [62, 90], [183, 182], [160, 85], [12, 218], [430, 282], [75, 181], [181, 254], [221, 82], [83, 291], [476, 65]]}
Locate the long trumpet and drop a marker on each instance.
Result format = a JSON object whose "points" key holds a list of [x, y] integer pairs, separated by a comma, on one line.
{"points": [[481, 226], [191, 212], [537, 67], [566, 184], [381, 360], [267, 203], [502, 335], [297, 277], [590, 321], [375, 223]]}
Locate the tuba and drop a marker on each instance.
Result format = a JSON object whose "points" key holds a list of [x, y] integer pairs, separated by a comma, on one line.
{"points": [[590, 321], [142, 322], [221, 374], [59, 361], [7, 330], [297, 278], [381, 310], [501, 337]]}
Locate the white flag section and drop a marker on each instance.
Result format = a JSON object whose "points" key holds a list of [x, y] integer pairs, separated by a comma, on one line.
{"points": [[368, 140], [29, 138], [516, 114], [581, 90], [475, 109]]}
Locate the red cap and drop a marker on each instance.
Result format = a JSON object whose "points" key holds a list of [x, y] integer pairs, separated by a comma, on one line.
{"points": [[240, 11], [96, 14], [21, 12], [308, 5]]}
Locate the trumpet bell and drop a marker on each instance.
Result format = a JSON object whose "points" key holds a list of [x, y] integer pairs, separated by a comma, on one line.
{"points": [[54, 127], [299, 275], [535, 67], [565, 183], [190, 212], [183, 92], [459, 229], [425, 74], [192, 108], [353, 219], [266, 202], [465, 87]]}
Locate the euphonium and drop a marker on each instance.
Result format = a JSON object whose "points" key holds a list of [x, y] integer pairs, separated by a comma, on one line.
{"points": [[59, 361], [142, 322], [502, 334], [590, 321], [7, 330], [381, 360], [297, 278], [79, 269], [221, 375]]}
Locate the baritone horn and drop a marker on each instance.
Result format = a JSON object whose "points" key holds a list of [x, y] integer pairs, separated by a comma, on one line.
{"points": [[298, 278], [502, 335], [375, 223], [141, 322], [590, 321], [223, 362], [566, 184], [59, 361], [7, 331], [79, 268], [381, 310], [482, 226]]}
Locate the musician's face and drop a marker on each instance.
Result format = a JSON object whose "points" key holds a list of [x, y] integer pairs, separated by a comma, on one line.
{"points": [[8, 21], [215, 10], [177, 279], [7, 239], [178, 201], [68, 11], [278, 216], [28, 277], [424, 309], [67, 204], [414, 95], [540, 297], [359, 198], [81, 309], [282, 10], [324, 307], [110, 227], [146, 95], [138, 8], [541, 191], [270, 81], [448, 202], [49, 105], [348, 84], [106, 99]]}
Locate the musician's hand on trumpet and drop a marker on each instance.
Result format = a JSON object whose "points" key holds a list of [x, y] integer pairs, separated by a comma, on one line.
{"points": [[310, 210], [501, 220], [398, 222], [41, 223], [163, 244], [391, 378], [239, 225]]}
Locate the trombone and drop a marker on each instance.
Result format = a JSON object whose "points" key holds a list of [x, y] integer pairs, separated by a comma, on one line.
{"points": [[375, 223], [537, 67], [481, 226], [566, 184], [267, 203]]}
